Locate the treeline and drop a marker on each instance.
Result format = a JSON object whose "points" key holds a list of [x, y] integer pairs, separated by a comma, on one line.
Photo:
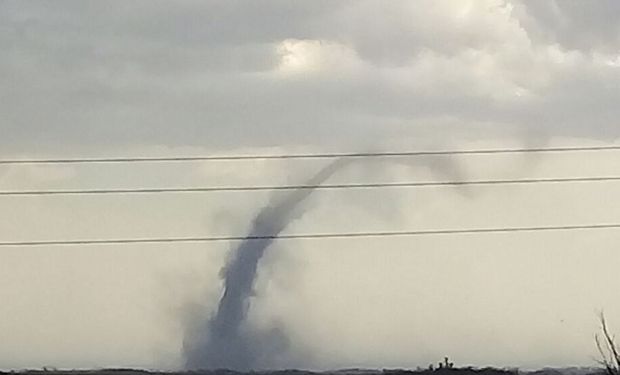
{"points": [[440, 370]]}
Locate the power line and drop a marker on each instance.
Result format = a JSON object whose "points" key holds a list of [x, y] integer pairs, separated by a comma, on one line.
{"points": [[377, 185], [306, 156], [308, 236]]}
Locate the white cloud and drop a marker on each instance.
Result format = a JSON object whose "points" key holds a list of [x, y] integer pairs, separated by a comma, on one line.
{"points": [[308, 56]]}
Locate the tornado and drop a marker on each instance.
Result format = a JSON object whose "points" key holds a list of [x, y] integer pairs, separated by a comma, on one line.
{"points": [[225, 343]]}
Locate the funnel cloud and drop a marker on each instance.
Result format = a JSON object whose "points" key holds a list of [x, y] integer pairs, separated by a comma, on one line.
{"points": [[224, 341]]}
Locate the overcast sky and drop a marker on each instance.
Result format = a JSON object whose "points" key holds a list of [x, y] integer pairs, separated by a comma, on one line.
{"points": [[152, 78]]}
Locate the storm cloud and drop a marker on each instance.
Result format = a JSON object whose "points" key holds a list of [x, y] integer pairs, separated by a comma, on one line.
{"points": [[222, 74]]}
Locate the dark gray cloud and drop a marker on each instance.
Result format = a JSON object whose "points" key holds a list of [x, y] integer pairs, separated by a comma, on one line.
{"points": [[222, 341], [214, 73]]}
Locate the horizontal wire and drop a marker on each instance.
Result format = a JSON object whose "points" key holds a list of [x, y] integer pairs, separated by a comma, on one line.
{"points": [[305, 156], [313, 187], [309, 236]]}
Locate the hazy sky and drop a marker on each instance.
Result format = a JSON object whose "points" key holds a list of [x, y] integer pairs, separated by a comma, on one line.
{"points": [[119, 78]]}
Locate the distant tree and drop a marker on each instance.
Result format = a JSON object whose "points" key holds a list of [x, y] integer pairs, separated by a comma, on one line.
{"points": [[446, 363], [607, 348]]}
